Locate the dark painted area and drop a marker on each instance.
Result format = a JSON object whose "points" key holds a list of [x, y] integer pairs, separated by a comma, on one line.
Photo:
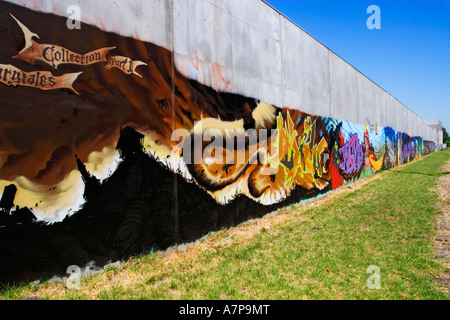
{"points": [[132, 212]]}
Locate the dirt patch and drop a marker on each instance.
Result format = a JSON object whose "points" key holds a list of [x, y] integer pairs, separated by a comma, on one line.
{"points": [[442, 239]]}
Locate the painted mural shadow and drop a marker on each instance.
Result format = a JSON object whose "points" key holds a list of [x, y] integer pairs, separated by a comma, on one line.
{"points": [[141, 208]]}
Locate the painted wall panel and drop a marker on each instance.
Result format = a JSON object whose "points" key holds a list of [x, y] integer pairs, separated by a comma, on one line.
{"points": [[344, 99], [147, 20], [366, 101], [419, 126], [197, 26], [305, 71], [258, 15], [380, 103], [254, 52]]}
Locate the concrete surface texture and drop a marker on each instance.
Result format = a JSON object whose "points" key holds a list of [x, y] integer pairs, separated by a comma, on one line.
{"points": [[246, 47]]}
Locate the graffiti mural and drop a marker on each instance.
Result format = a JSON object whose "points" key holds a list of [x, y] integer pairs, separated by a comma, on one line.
{"points": [[107, 151], [352, 155]]}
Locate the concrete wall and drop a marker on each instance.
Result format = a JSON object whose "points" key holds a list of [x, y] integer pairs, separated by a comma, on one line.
{"points": [[131, 187], [247, 47]]}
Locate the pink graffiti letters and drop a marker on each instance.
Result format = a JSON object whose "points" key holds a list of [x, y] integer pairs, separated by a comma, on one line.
{"points": [[352, 154]]}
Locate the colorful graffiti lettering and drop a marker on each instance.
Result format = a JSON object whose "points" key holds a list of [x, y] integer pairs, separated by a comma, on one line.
{"points": [[352, 154], [376, 164], [297, 156]]}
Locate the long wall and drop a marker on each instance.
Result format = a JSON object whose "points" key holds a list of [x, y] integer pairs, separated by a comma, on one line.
{"points": [[159, 121], [249, 48]]}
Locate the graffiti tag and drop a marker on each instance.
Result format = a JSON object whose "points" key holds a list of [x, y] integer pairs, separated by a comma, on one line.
{"points": [[297, 156], [352, 154]]}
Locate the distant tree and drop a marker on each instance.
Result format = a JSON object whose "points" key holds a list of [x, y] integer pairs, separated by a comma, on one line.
{"points": [[446, 137]]}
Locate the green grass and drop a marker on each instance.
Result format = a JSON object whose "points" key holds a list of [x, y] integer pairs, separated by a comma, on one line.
{"points": [[320, 253]]}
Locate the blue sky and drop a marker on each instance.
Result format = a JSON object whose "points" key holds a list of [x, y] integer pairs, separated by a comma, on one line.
{"points": [[409, 56]]}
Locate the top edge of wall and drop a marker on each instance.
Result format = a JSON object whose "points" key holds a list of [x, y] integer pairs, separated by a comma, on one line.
{"points": [[59, 8], [288, 19]]}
